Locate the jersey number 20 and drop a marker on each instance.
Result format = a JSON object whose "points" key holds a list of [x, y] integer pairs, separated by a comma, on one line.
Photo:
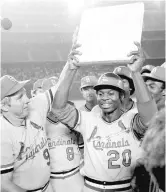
{"points": [[70, 153], [126, 162]]}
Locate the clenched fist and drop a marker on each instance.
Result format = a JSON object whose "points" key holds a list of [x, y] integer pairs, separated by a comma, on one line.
{"points": [[74, 53], [137, 60]]}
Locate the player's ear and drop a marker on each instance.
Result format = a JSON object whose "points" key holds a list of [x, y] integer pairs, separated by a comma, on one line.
{"points": [[80, 90], [163, 89], [32, 93], [5, 104], [121, 96]]}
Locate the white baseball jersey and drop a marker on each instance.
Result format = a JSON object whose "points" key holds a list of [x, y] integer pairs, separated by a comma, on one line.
{"points": [[96, 109], [110, 149], [25, 148], [84, 108], [63, 145]]}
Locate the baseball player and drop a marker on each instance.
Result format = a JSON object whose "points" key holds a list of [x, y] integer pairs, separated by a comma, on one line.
{"points": [[125, 75], [64, 153], [25, 160], [155, 82], [110, 138], [127, 103], [64, 157], [88, 93]]}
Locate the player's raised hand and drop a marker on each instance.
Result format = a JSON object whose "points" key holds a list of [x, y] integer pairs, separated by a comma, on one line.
{"points": [[74, 53], [137, 60]]}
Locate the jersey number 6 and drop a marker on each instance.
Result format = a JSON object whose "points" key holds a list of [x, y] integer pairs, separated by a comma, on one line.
{"points": [[126, 162]]}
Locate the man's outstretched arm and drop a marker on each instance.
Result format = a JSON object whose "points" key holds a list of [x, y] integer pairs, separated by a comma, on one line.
{"points": [[61, 109], [66, 77], [146, 105]]}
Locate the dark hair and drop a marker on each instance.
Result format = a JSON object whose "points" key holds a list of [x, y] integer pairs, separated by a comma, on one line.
{"points": [[109, 87]]}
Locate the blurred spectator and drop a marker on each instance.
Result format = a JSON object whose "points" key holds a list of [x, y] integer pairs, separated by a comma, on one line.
{"points": [[154, 147], [149, 175]]}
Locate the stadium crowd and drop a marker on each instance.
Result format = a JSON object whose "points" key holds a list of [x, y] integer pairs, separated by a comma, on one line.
{"points": [[35, 71]]}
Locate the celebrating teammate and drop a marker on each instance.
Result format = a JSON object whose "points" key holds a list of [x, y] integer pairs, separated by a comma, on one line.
{"points": [[125, 75], [155, 82], [25, 160], [64, 154], [127, 103], [88, 92], [110, 138]]}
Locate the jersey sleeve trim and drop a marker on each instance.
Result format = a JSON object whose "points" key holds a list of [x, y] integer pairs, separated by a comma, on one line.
{"points": [[77, 120], [50, 98], [52, 121], [81, 145], [75, 123], [138, 127], [7, 168]]}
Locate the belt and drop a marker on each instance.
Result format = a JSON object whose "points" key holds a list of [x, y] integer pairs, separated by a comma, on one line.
{"points": [[64, 174], [116, 185], [41, 188]]}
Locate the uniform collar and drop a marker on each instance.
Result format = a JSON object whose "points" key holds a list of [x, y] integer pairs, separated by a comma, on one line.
{"points": [[15, 121]]}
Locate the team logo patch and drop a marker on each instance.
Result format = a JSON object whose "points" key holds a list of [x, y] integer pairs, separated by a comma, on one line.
{"points": [[93, 135], [122, 126], [21, 151]]}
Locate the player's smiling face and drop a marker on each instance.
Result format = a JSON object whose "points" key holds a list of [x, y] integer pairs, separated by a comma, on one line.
{"points": [[88, 93], [19, 104], [108, 100], [155, 88]]}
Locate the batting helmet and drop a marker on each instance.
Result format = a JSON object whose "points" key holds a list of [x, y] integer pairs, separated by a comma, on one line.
{"points": [[110, 80], [125, 73], [157, 74], [147, 69], [88, 81]]}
